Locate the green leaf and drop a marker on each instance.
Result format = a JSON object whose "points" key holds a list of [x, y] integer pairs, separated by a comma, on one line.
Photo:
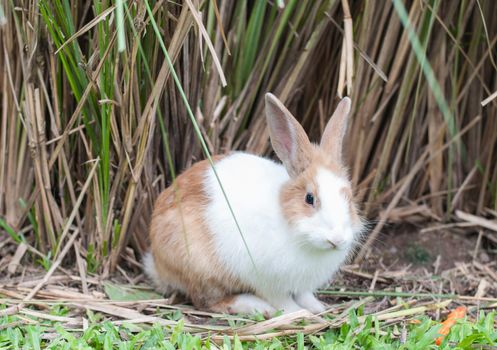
{"points": [[127, 293], [300, 341], [10, 231]]}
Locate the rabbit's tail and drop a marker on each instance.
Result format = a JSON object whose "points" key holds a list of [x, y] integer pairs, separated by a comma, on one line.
{"points": [[164, 285], [149, 267]]}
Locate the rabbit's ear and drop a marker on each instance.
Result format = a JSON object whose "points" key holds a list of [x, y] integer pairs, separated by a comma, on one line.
{"points": [[288, 138], [333, 134]]}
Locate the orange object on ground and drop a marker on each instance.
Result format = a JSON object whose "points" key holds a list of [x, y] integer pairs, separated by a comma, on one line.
{"points": [[455, 315]]}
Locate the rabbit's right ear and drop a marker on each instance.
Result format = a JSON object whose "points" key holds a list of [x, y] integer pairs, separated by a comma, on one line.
{"points": [[334, 133], [289, 140]]}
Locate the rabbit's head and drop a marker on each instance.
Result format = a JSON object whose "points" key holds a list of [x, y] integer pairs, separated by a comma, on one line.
{"points": [[317, 201]]}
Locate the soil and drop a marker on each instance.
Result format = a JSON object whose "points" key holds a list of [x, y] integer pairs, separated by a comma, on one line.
{"points": [[408, 258], [405, 245]]}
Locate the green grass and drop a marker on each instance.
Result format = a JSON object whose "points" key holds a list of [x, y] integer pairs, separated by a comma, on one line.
{"points": [[27, 332]]}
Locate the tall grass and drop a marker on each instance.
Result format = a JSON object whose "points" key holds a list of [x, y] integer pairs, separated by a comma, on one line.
{"points": [[87, 84]]}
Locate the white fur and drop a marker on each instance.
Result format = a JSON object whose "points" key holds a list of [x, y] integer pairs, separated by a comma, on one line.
{"points": [[286, 265], [151, 271], [331, 223], [309, 302], [149, 266]]}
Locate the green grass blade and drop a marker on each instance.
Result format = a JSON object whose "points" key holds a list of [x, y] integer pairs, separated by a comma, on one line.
{"points": [[121, 39], [10, 231], [426, 67]]}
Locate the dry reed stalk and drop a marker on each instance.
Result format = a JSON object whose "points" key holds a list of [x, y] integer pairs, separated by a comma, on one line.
{"points": [[68, 96]]}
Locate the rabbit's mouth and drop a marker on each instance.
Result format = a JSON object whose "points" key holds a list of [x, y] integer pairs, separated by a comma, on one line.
{"points": [[322, 242]]}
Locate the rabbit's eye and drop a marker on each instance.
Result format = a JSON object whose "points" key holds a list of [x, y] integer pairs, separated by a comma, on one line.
{"points": [[309, 198]]}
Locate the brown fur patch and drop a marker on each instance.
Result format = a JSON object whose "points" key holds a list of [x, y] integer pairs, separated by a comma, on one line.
{"points": [[182, 245], [292, 196], [224, 305]]}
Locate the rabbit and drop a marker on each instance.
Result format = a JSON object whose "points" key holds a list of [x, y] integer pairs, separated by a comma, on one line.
{"points": [[296, 223]]}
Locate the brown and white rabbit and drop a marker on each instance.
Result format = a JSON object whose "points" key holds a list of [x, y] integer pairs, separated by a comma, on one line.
{"points": [[298, 219]]}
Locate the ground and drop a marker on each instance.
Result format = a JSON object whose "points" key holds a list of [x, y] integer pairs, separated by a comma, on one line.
{"points": [[434, 261], [406, 245], [396, 297]]}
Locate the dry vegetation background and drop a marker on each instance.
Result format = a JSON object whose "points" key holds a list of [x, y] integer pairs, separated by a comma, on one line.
{"points": [[90, 135]]}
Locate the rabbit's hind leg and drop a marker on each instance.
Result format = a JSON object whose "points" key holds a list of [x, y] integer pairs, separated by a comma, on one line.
{"points": [[243, 304]]}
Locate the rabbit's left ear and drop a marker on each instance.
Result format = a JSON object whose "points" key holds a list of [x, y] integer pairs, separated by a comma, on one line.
{"points": [[334, 133], [289, 140]]}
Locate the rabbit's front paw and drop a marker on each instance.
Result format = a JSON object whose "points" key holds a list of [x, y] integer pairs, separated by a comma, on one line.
{"points": [[285, 303], [310, 302]]}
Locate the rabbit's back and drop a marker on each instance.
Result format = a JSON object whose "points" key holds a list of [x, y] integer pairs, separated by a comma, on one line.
{"points": [[252, 184]]}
